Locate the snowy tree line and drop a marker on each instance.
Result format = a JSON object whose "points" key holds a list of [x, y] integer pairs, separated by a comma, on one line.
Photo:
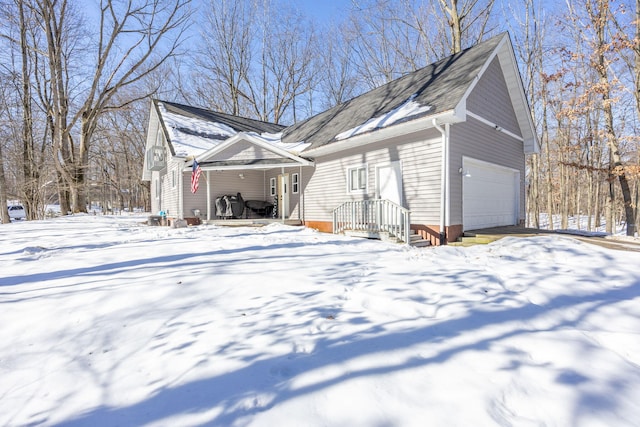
{"points": [[76, 77]]}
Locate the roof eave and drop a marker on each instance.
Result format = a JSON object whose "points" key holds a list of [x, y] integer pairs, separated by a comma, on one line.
{"points": [[273, 165], [165, 132], [243, 136]]}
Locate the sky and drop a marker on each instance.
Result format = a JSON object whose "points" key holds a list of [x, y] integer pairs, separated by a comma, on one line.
{"points": [[107, 321], [324, 10]]}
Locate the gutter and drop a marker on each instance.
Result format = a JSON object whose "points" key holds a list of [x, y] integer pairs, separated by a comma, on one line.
{"points": [[444, 181]]}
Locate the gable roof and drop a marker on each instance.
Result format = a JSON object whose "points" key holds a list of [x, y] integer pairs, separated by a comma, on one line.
{"points": [[191, 130], [434, 90], [279, 153], [437, 91], [239, 124]]}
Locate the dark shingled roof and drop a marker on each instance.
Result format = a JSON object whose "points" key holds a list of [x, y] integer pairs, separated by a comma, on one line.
{"points": [[440, 85], [239, 124]]}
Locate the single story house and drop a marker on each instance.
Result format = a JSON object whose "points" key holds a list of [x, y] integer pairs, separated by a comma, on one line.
{"points": [[436, 152]]}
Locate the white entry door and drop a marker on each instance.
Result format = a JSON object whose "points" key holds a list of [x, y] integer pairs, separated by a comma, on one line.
{"points": [[389, 182], [490, 195], [283, 195]]}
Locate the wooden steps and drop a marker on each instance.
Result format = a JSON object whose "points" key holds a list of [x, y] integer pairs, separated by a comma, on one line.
{"points": [[415, 240], [471, 239]]}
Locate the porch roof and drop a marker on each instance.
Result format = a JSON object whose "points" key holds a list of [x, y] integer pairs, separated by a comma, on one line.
{"points": [[248, 164]]}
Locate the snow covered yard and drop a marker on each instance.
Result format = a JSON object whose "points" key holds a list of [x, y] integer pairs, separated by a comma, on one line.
{"points": [[106, 322]]}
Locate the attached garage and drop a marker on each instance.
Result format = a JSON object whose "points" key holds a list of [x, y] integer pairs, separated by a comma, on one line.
{"points": [[490, 195]]}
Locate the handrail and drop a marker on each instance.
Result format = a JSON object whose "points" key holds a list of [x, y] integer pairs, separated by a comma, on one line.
{"points": [[373, 216]]}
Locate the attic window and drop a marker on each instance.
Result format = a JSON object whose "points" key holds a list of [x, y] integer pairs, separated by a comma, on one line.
{"points": [[357, 179]]}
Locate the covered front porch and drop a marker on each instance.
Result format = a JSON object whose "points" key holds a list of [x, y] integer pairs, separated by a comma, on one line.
{"points": [[246, 177], [245, 194], [257, 222]]}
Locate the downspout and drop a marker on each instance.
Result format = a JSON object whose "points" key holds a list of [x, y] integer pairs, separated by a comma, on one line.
{"points": [[443, 179]]}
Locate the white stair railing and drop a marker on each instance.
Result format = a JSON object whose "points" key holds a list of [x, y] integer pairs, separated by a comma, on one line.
{"points": [[373, 216]]}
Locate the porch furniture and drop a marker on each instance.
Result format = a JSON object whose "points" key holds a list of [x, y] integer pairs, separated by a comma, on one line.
{"points": [[258, 207], [229, 206]]}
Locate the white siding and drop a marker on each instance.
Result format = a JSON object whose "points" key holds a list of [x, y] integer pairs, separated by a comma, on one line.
{"points": [[168, 199], [421, 159], [244, 150], [490, 99]]}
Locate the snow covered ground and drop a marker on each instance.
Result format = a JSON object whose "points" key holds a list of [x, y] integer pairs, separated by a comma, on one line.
{"points": [[578, 224], [107, 322]]}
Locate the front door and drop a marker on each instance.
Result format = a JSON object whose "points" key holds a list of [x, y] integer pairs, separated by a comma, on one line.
{"points": [[283, 196], [389, 182]]}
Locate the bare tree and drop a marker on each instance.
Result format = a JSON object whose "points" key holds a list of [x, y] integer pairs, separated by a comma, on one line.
{"points": [[382, 45], [290, 52], [255, 59], [599, 14], [466, 19], [4, 213], [225, 56], [337, 80], [529, 37], [30, 163], [133, 40]]}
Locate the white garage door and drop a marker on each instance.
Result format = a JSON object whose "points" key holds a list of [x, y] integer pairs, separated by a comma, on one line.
{"points": [[490, 195]]}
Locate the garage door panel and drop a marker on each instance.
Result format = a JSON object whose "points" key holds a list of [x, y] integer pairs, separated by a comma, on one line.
{"points": [[490, 195]]}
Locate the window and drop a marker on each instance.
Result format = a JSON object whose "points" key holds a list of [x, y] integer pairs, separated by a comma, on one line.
{"points": [[357, 179], [272, 184], [173, 179], [295, 183]]}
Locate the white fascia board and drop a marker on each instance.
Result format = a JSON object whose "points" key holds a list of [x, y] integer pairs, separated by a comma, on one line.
{"points": [[247, 167], [264, 166], [486, 64], [242, 136], [395, 130], [163, 127], [494, 125], [508, 64], [276, 150], [152, 130], [521, 104]]}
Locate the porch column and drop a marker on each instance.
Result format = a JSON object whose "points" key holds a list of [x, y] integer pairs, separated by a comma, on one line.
{"points": [[208, 196], [180, 213], [282, 195]]}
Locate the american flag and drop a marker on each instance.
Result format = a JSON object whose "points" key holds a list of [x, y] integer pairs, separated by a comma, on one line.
{"points": [[196, 170]]}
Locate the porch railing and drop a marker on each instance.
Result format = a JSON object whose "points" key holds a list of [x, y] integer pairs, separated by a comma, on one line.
{"points": [[373, 217]]}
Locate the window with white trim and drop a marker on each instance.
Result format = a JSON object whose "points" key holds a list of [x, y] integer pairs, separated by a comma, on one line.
{"points": [[295, 183], [357, 179], [173, 179], [272, 185]]}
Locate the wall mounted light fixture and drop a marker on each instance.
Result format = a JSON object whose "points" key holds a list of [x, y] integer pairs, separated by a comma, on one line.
{"points": [[464, 173]]}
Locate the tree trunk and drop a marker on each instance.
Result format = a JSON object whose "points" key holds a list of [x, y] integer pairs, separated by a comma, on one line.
{"points": [[4, 212], [600, 18], [29, 167], [547, 148]]}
